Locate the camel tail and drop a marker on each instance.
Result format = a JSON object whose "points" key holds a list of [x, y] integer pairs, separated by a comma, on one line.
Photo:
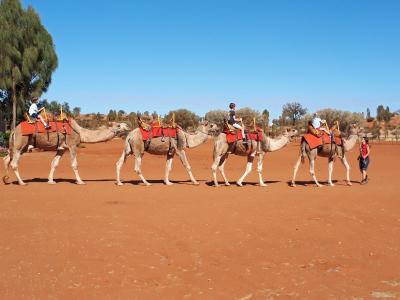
{"points": [[7, 160]]}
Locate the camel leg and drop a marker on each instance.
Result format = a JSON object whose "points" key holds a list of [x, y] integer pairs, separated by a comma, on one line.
{"points": [[296, 168], [221, 168], [7, 161], [74, 165], [249, 166], [138, 169], [14, 166], [347, 166], [312, 172], [119, 164], [54, 165], [260, 168], [214, 167], [168, 168], [330, 170], [185, 162]]}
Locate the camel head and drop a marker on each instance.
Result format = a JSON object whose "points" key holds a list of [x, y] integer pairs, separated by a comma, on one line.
{"points": [[355, 129], [206, 126], [290, 132], [119, 128]]}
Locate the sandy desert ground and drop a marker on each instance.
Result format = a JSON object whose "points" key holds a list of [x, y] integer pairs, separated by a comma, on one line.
{"points": [[101, 241]]}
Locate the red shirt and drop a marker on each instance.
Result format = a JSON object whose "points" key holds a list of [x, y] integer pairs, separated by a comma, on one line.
{"points": [[364, 150]]}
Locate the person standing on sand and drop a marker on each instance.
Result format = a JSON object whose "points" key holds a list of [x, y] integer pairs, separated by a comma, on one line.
{"points": [[364, 159]]}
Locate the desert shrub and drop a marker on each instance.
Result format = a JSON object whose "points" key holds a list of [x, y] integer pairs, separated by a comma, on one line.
{"points": [[184, 118]]}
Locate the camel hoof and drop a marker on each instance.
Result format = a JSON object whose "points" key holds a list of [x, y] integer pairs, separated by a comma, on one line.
{"points": [[331, 184], [227, 184], [119, 184], [6, 179], [216, 184], [319, 185], [292, 184], [80, 183], [168, 183], [263, 185], [51, 182], [147, 184], [22, 183], [239, 183], [196, 183]]}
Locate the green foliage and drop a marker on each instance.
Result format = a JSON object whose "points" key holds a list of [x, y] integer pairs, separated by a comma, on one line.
{"points": [[293, 112], [76, 111], [383, 114], [248, 114], [4, 138], [217, 117], [112, 115], [27, 55], [345, 118], [184, 118]]}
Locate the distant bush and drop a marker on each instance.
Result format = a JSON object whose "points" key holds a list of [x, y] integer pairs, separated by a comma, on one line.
{"points": [[184, 118], [4, 138]]}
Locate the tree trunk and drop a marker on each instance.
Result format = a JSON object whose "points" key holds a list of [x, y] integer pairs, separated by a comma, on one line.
{"points": [[14, 102]]}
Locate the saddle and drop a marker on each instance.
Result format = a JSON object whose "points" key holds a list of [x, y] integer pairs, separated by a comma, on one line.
{"points": [[253, 133], [158, 129], [317, 138]]}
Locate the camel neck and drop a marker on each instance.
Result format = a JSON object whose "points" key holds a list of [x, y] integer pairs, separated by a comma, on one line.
{"points": [[93, 136], [196, 139]]}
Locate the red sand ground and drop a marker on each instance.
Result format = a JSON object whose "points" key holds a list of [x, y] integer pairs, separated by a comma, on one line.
{"points": [[199, 242]]}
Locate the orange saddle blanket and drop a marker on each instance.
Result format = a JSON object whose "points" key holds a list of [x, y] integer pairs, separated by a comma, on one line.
{"points": [[314, 141], [158, 131], [38, 127], [232, 137]]}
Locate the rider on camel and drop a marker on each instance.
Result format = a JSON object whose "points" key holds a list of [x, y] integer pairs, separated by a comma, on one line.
{"points": [[34, 112], [234, 121]]}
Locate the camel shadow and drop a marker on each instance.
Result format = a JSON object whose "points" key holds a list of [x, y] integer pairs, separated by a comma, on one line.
{"points": [[60, 180], [160, 181], [324, 183], [233, 183]]}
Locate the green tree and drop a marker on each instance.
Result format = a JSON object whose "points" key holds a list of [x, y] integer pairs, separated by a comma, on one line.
{"points": [[217, 117], [27, 54], [293, 111], [265, 117], [184, 118], [345, 118], [76, 111]]}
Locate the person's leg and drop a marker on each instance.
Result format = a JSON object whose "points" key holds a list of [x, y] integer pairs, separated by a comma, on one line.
{"points": [[43, 121], [237, 126]]}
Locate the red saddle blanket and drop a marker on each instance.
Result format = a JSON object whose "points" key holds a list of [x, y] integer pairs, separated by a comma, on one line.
{"points": [[157, 131], [28, 128], [232, 137], [314, 141]]}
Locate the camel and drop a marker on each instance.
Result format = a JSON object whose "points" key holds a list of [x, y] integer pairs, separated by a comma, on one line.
{"points": [[56, 142], [222, 150], [331, 151], [135, 146]]}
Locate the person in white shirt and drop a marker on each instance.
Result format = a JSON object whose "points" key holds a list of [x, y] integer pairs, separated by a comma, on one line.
{"points": [[34, 112]]}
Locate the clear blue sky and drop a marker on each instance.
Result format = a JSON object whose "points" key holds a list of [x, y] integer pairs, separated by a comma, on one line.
{"points": [[200, 55]]}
